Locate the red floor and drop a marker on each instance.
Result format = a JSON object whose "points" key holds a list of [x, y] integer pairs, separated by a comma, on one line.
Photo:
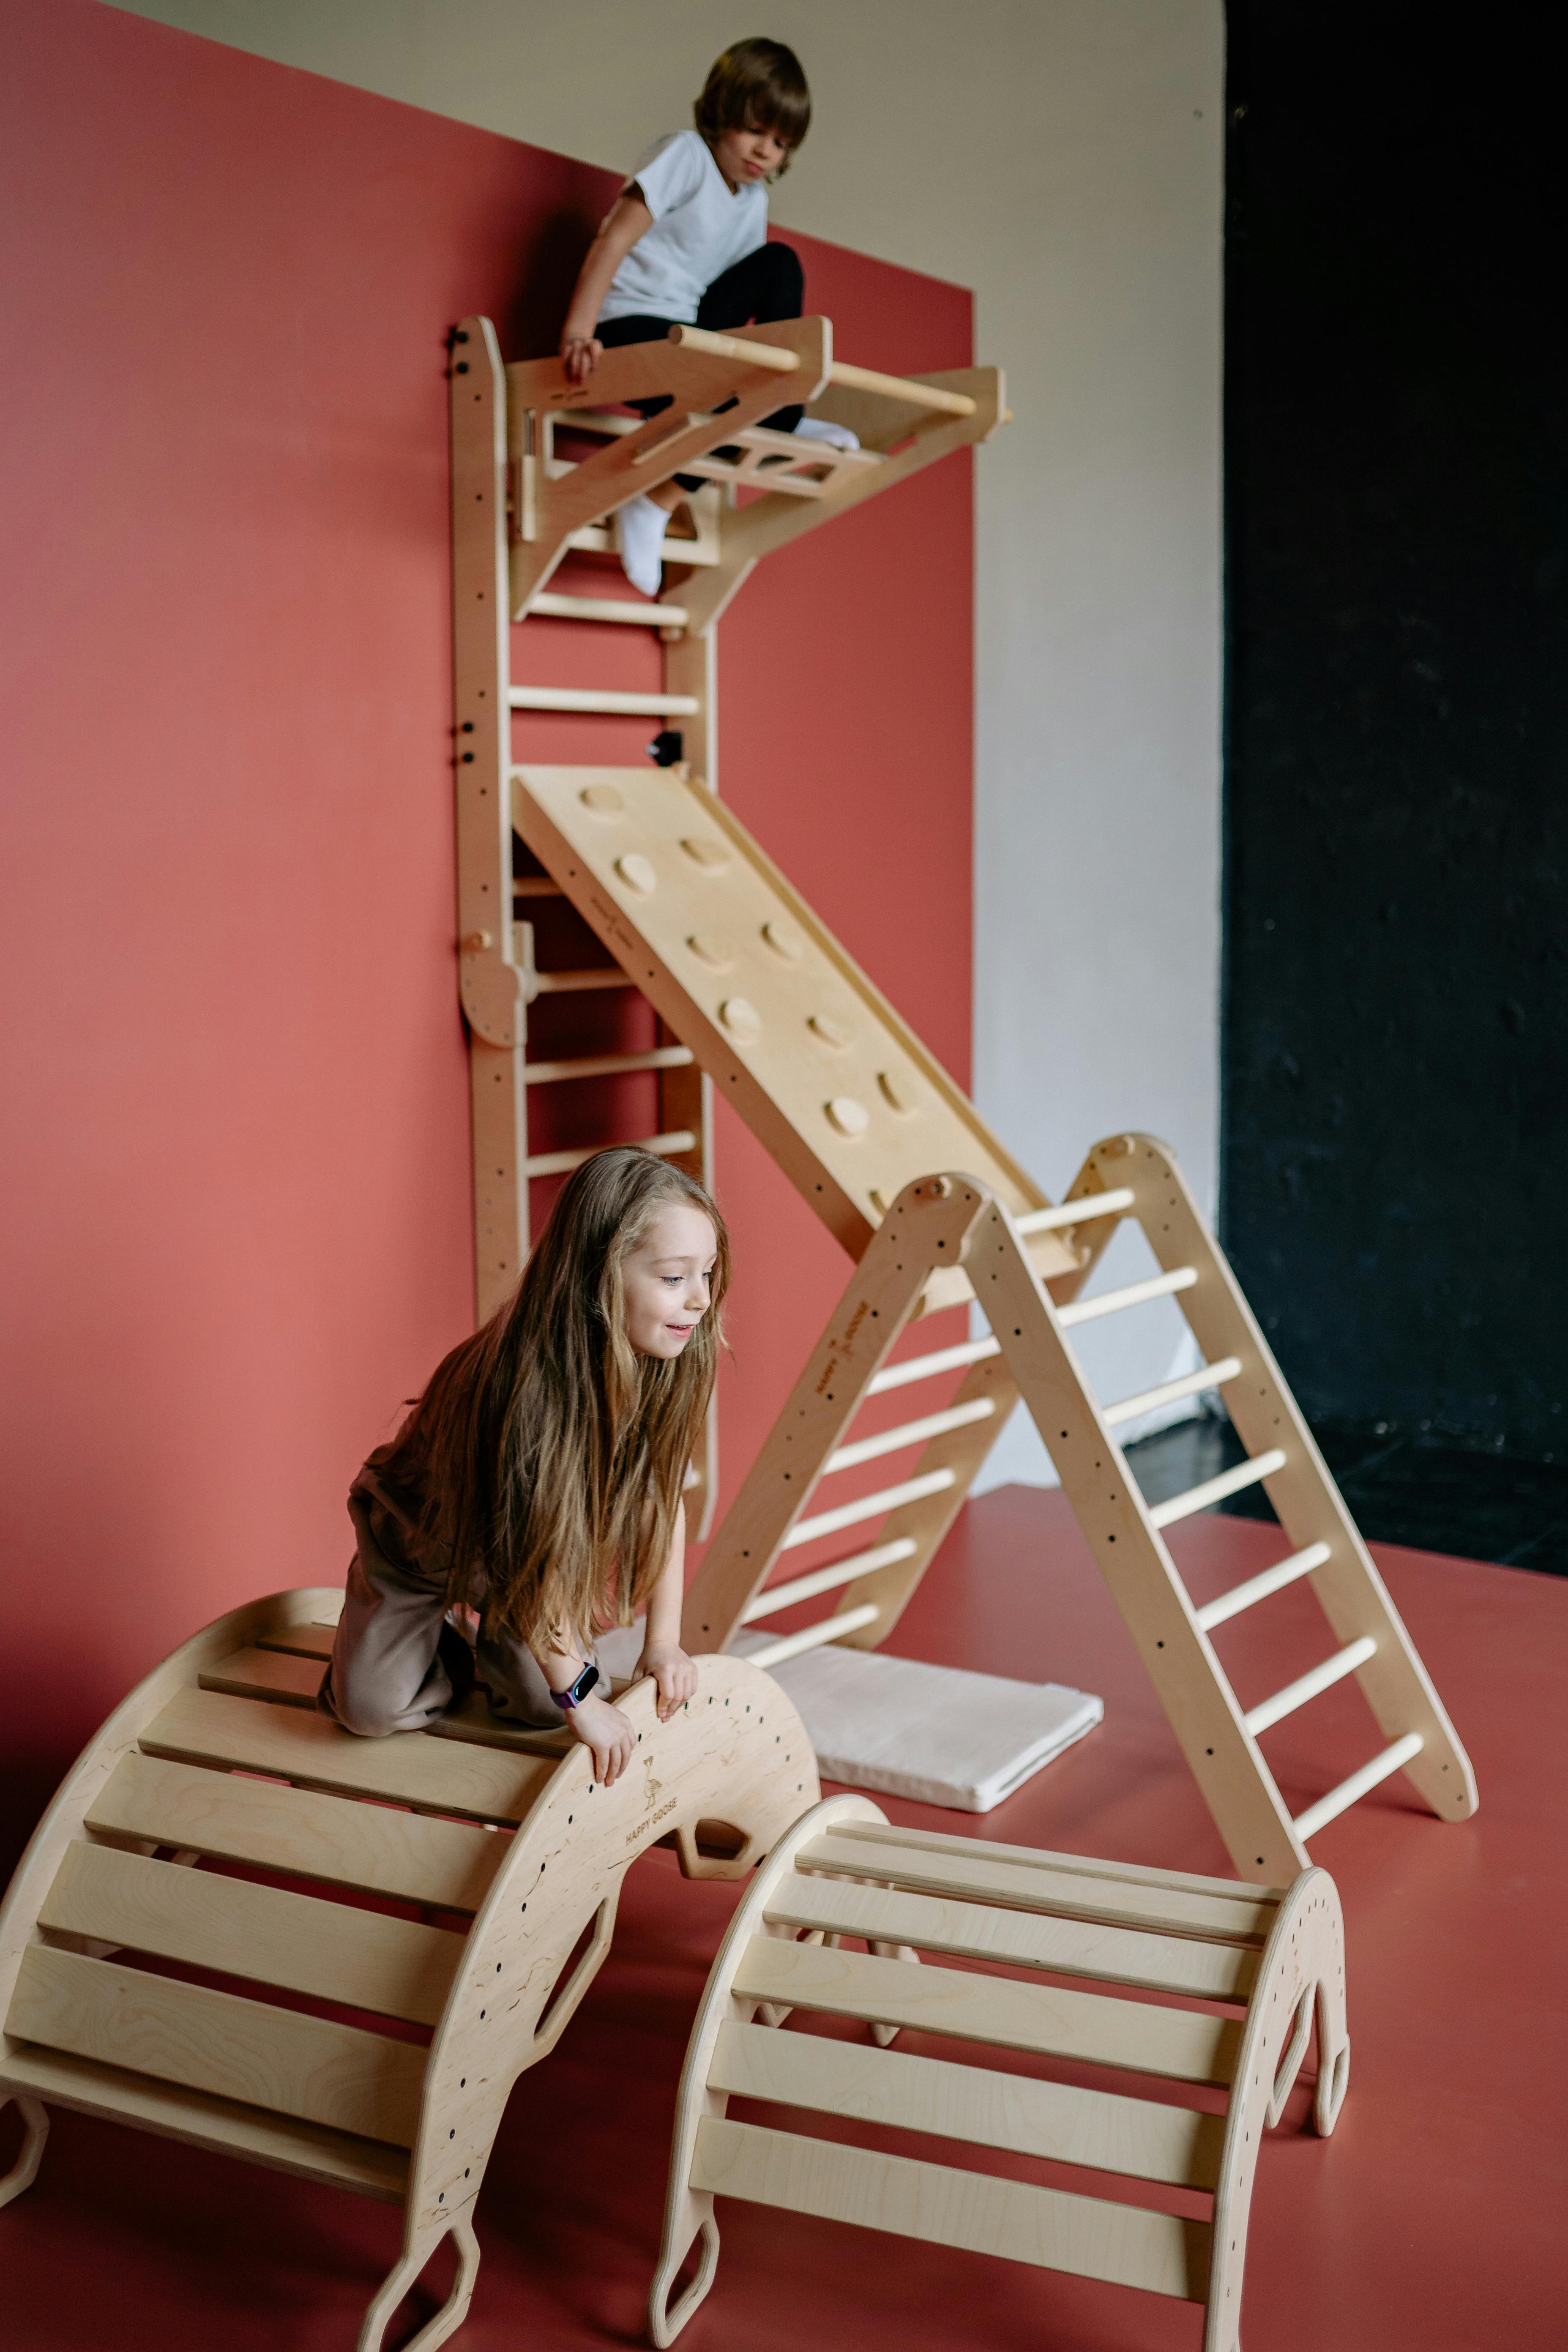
{"points": [[1433, 2221]]}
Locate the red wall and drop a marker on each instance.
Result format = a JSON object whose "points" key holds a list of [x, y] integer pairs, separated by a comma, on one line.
{"points": [[236, 1223]]}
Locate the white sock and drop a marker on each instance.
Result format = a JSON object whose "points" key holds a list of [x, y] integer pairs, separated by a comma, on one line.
{"points": [[818, 428], [640, 527]]}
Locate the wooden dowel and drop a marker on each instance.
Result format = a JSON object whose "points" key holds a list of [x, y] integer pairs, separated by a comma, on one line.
{"points": [[734, 347], [1211, 1375], [561, 1163], [926, 1368], [813, 1637], [609, 608], [1321, 1678], [613, 706], [910, 1433], [1131, 1294], [1337, 1802], [607, 1066], [1215, 1490], [1089, 1211], [898, 387], [869, 1507], [1258, 1588], [779, 1597], [570, 983], [535, 886]]}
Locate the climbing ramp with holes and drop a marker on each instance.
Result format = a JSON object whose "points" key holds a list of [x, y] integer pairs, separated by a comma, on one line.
{"points": [[853, 1919], [454, 1891]]}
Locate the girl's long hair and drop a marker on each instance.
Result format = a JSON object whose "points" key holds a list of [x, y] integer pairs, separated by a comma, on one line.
{"points": [[544, 1462]]}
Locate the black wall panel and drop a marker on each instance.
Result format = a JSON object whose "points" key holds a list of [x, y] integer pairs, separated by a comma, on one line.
{"points": [[1396, 1143]]}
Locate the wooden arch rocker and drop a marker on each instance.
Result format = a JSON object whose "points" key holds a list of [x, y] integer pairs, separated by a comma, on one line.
{"points": [[503, 1857]]}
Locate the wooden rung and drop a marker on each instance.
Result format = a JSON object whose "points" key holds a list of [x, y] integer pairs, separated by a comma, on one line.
{"points": [[776, 1597], [301, 1641], [1211, 1375], [576, 984], [1131, 1294], [591, 698], [378, 1851], [898, 387], [436, 1775], [1091, 2028], [280, 2059], [1092, 1208], [1308, 1685], [332, 1951], [1102, 2129], [1179, 1964], [535, 886], [561, 1163], [910, 1433], [1052, 1885], [283, 2142], [1258, 1588], [1215, 1490], [607, 1066], [609, 608], [813, 1637], [926, 1368], [941, 2205], [869, 1507], [1184, 1883], [281, 1676], [1337, 1801], [734, 347]]}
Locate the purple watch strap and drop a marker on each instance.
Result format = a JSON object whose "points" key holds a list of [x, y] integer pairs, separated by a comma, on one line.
{"points": [[576, 1692]]}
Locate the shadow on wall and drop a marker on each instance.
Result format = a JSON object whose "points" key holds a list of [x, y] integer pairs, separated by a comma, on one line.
{"points": [[531, 325]]}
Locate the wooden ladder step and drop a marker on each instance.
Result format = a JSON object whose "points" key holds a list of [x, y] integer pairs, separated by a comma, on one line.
{"points": [[609, 608], [283, 2142], [436, 1775], [1140, 2137], [1178, 1964], [369, 1847], [941, 2205], [331, 1951], [1045, 1886], [1089, 2027], [284, 1676], [324, 2073], [609, 705]]}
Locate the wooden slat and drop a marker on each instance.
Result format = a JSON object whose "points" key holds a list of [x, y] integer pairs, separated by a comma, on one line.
{"points": [[437, 1776], [332, 1951], [276, 1675], [283, 2142], [1178, 2043], [1071, 1894], [1097, 2128], [1071, 1947], [448, 1864], [218, 2041], [304, 1641], [1084, 1866], [941, 2206]]}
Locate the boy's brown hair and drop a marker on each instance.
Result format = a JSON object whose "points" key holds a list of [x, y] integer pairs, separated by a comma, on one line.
{"points": [[756, 86]]}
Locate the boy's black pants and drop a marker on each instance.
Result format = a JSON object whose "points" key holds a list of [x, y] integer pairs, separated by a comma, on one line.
{"points": [[761, 286]]}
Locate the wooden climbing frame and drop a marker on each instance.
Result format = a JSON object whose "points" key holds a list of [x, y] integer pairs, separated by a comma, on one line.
{"points": [[1266, 1962], [512, 1856]]}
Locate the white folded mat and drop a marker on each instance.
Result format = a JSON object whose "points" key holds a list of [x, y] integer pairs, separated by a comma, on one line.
{"points": [[937, 1734]]}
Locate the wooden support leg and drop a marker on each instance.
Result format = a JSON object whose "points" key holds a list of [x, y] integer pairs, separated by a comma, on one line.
{"points": [[663, 2325], [398, 2281], [25, 2171]]}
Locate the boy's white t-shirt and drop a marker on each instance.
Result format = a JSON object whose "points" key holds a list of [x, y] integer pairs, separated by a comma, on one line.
{"points": [[701, 227]]}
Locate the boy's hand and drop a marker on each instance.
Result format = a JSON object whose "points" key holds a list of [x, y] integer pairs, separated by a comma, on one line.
{"points": [[580, 355], [674, 1672], [605, 1729]]}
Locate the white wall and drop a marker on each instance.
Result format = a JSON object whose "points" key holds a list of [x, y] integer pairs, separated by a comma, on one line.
{"points": [[1063, 158]]}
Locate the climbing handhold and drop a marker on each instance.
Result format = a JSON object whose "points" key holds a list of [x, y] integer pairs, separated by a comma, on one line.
{"points": [[637, 874]]}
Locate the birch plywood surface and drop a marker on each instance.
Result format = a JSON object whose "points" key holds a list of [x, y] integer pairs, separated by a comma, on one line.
{"points": [[794, 1034]]}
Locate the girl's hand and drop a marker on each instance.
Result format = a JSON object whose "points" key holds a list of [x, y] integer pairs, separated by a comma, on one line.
{"points": [[580, 355], [604, 1729], [674, 1672]]}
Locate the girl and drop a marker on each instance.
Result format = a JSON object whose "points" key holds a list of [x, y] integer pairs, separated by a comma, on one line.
{"points": [[686, 241], [538, 1480]]}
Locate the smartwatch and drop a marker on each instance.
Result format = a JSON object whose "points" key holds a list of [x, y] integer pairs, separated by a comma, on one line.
{"points": [[575, 1693]]}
